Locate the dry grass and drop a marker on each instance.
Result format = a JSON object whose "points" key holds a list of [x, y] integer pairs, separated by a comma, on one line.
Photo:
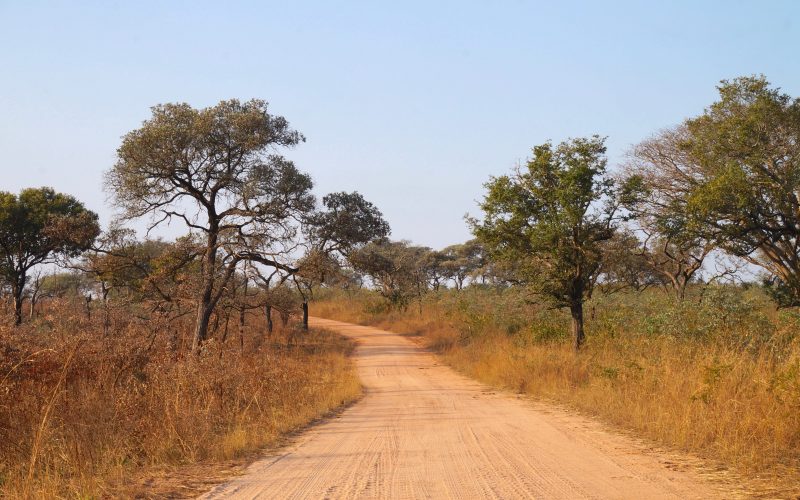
{"points": [[82, 415], [719, 378]]}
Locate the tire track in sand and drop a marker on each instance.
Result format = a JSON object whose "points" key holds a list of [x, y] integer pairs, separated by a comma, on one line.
{"points": [[423, 431]]}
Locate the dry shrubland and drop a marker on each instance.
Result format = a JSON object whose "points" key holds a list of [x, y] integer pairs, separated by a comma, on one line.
{"points": [[717, 375], [81, 413]]}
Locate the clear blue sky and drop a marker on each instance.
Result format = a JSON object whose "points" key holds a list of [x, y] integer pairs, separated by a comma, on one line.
{"points": [[414, 104]]}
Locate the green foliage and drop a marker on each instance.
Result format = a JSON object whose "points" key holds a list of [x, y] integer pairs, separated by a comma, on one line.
{"points": [[463, 261], [62, 284], [36, 227], [545, 221], [746, 189], [782, 294], [347, 222], [39, 224]]}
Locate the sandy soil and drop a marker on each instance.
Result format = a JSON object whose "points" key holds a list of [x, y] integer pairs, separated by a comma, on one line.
{"points": [[424, 431]]}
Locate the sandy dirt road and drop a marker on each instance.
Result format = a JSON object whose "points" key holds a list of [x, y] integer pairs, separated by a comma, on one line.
{"points": [[424, 431]]}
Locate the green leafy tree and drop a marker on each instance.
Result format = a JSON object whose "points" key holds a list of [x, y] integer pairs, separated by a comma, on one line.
{"points": [[437, 268], [346, 222], [36, 227], [548, 221], [626, 264], [743, 188], [62, 284], [217, 170]]}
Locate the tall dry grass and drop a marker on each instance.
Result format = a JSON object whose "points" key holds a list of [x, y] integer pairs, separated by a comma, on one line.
{"points": [[718, 375], [81, 413]]}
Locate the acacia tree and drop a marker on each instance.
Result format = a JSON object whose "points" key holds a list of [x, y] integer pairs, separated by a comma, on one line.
{"points": [[36, 227], [218, 171], [744, 189], [437, 267], [346, 222], [463, 261], [548, 221]]}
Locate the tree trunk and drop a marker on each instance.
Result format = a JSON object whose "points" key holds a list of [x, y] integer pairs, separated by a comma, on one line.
{"points": [[680, 291], [268, 312], [305, 315], [18, 298], [106, 312], [88, 301], [284, 319], [576, 309], [225, 330], [204, 311], [205, 306], [241, 328]]}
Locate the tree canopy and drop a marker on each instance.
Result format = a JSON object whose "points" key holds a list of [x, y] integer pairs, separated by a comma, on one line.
{"points": [[745, 191], [548, 221], [218, 170], [36, 227]]}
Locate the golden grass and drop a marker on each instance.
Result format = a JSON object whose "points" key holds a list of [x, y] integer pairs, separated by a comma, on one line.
{"points": [[81, 414], [719, 378]]}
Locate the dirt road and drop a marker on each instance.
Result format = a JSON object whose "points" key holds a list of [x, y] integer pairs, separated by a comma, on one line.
{"points": [[423, 431]]}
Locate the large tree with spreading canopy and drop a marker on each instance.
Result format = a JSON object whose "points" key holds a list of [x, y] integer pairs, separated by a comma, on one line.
{"points": [[219, 171]]}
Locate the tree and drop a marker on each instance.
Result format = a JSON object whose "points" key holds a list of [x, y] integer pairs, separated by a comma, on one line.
{"points": [[626, 264], [345, 223], [36, 227], [657, 181], [463, 260], [315, 268], [218, 171], [396, 268], [744, 189], [62, 284], [156, 274], [438, 268], [548, 221]]}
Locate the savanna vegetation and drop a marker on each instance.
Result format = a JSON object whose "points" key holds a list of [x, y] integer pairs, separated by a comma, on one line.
{"points": [[660, 294], [123, 356]]}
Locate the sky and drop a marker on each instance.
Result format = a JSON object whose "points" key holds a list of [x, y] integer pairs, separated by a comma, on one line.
{"points": [[413, 104]]}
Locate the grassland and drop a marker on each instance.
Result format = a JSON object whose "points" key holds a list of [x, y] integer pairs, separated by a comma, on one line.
{"points": [[84, 415]]}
